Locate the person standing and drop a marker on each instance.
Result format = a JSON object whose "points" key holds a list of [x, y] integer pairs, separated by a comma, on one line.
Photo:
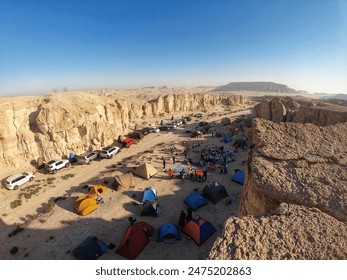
{"points": [[164, 163], [189, 215], [173, 159], [182, 220]]}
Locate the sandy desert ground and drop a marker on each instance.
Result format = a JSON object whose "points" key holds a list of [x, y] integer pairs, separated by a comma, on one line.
{"points": [[53, 228]]}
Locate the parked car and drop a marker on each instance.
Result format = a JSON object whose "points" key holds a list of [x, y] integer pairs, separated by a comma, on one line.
{"points": [[87, 157], [171, 125], [127, 142], [54, 165], [199, 115], [136, 135], [14, 181], [165, 128], [145, 130], [154, 130], [109, 152], [177, 122]]}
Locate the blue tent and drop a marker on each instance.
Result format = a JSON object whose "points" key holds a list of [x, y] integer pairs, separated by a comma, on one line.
{"points": [[149, 194], [227, 139], [199, 229], [90, 249], [195, 200], [239, 177], [168, 233]]}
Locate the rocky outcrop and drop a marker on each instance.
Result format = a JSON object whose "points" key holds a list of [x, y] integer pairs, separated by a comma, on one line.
{"points": [[296, 163], [55, 125], [300, 110], [294, 199], [290, 232]]}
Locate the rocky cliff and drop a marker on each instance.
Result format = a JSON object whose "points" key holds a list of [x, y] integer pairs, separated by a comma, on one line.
{"points": [[294, 200], [55, 125], [300, 110], [296, 163]]}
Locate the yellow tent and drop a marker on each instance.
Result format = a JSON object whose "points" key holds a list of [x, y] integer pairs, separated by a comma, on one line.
{"points": [[87, 203], [145, 171], [97, 190]]}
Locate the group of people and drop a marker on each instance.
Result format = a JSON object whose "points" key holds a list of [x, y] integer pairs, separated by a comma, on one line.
{"points": [[185, 217]]}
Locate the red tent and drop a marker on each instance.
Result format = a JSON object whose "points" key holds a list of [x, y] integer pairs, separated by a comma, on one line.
{"points": [[135, 239], [199, 229]]}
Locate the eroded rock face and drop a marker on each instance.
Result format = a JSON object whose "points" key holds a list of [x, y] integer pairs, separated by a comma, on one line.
{"points": [[290, 232], [300, 110], [296, 163], [55, 125]]}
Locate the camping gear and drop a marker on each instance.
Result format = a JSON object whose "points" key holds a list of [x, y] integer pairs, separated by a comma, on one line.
{"points": [[124, 181], [90, 249], [88, 203], [72, 158], [168, 233], [149, 194], [239, 177], [227, 139], [97, 190], [214, 192], [150, 208], [199, 230], [145, 171], [195, 200], [135, 240]]}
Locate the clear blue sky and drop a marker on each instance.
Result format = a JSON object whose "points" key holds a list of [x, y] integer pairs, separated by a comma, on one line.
{"points": [[90, 44]]}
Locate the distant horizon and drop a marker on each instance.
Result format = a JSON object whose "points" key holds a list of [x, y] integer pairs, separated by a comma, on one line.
{"points": [[88, 45], [61, 90]]}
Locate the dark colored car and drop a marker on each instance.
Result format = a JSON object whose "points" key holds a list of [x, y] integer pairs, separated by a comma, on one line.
{"points": [[136, 135]]}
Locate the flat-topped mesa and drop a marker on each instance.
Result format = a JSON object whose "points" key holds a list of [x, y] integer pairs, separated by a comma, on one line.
{"points": [[302, 164], [300, 110], [56, 125]]}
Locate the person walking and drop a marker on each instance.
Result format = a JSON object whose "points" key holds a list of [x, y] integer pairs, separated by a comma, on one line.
{"points": [[164, 163]]}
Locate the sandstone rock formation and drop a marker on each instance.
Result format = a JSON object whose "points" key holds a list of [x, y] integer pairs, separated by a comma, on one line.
{"points": [[300, 110], [290, 232], [294, 200], [296, 163], [55, 125]]}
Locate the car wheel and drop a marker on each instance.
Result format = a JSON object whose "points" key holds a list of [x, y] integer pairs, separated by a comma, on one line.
{"points": [[67, 165], [15, 187], [31, 178], [110, 156], [54, 171]]}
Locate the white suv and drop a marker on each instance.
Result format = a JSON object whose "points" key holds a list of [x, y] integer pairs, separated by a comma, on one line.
{"points": [[109, 152], [87, 157], [14, 181], [54, 165]]}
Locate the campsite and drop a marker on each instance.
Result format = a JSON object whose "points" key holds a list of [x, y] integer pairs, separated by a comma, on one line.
{"points": [[69, 214]]}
